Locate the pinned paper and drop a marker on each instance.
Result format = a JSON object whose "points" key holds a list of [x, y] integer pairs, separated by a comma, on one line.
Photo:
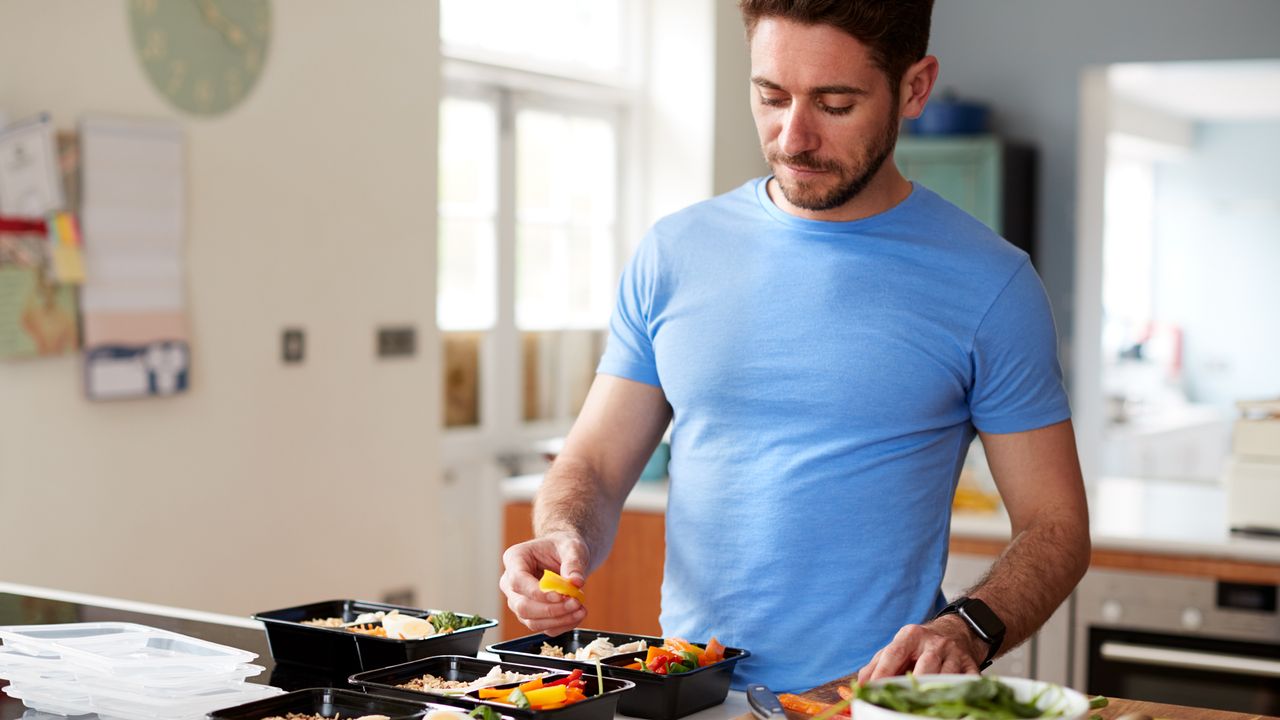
{"points": [[114, 372], [30, 183], [66, 254]]}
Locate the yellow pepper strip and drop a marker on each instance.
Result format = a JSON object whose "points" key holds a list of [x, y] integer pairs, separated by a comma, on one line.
{"points": [[547, 696], [552, 582]]}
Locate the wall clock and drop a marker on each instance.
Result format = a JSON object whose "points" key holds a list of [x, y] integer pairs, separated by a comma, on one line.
{"points": [[203, 56]]}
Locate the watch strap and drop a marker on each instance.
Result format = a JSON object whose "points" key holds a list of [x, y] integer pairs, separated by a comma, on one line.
{"points": [[993, 640]]}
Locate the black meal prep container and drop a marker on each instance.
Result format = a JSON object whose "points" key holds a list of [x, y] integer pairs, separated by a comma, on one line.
{"points": [[337, 651], [656, 697], [455, 667], [328, 702]]}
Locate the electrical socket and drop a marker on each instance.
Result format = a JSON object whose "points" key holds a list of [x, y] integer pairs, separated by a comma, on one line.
{"points": [[398, 341]]}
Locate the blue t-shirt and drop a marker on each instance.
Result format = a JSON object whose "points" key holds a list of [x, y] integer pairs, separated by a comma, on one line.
{"points": [[826, 379]]}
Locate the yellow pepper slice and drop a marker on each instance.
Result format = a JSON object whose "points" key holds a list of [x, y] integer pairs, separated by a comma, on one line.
{"points": [[547, 695], [552, 582]]}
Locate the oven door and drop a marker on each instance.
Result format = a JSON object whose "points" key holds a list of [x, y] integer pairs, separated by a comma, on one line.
{"points": [[1184, 670]]}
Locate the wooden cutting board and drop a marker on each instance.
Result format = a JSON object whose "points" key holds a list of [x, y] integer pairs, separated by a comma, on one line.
{"points": [[827, 693]]}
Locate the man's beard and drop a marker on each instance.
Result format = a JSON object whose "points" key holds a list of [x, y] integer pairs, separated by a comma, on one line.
{"points": [[852, 180]]}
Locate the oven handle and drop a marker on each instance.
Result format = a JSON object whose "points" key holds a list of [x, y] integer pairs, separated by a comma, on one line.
{"points": [[1191, 660]]}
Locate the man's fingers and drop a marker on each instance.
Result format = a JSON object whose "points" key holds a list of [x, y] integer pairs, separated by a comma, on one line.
{"points": [[927, 664], [556, 625], [573, 560], [865, 673], [958, 665], [533, 608], [896, 657]]}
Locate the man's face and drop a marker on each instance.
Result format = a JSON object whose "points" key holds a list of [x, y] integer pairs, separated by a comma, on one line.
{"points": [[825, 113]]}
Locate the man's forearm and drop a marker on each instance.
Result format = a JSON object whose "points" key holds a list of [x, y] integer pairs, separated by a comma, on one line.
{"points": [[1034, 574], [573, 499]]}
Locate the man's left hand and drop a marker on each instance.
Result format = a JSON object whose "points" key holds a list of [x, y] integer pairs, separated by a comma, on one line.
{"points": [[945, 645]]}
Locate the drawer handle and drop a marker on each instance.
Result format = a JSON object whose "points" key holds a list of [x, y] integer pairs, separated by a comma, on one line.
{"points": [[1189, 659]]}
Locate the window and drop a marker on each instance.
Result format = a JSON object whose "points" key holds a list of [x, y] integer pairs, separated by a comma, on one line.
{"points": [[532, 140]]}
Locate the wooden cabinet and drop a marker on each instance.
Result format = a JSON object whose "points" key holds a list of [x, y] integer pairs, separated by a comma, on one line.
{"points": [[989, 178], [624, 594]]}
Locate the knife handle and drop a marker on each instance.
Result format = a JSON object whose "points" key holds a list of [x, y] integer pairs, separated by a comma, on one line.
{"points": [[764, 703]]}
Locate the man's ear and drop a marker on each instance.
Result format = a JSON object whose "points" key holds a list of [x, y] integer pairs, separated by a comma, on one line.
{"points": [[917, 84]]}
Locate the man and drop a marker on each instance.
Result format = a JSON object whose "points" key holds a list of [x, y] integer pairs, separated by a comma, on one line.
{"points": [[827, 341]]}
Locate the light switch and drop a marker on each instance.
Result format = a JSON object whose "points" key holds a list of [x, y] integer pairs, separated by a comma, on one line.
{"points": [[293, 345]]}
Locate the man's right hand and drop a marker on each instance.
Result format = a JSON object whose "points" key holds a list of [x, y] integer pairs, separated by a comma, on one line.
{"points": [[542, 611]]}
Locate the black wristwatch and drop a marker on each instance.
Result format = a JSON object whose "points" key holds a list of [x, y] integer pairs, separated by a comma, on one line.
{"points": [[981, 620]]}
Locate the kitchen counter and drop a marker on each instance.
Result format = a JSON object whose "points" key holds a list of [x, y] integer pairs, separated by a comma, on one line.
{"points": [[1128, 515], [26, 605]]}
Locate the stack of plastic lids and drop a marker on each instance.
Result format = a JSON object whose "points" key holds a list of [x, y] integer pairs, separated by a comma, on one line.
{"points": [[124, 670]]}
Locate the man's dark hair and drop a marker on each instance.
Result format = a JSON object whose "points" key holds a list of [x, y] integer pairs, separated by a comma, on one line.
{"points": [[896, 31]]}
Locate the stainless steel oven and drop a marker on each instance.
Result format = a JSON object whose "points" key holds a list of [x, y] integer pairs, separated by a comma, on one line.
{"points": [[1180, 640]]}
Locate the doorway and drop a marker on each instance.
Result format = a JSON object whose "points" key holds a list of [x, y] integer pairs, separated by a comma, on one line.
{"points": [[1177, 260]]}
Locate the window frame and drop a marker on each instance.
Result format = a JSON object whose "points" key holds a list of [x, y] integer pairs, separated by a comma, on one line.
{"points": [[502, 428]]}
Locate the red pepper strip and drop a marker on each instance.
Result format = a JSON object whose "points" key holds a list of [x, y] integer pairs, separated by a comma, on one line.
{"points": [[577, 673]]}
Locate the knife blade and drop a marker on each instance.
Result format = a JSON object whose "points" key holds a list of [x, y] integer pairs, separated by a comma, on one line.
{"points": [[764, 703]]}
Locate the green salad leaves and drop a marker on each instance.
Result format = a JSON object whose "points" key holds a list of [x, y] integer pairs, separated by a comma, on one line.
{"points": [[981, 699], [445, 620]]}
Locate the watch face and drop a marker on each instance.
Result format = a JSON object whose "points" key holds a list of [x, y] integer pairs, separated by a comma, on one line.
{"points": [[982, 618], [204, 56]]}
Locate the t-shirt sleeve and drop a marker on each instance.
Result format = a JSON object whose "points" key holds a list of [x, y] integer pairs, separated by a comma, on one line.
{"points": [[1017, 379], [629, 352]]}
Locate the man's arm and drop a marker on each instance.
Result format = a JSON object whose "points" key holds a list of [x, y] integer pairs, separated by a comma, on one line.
{"points": [[576, 511], [1038, 475]]}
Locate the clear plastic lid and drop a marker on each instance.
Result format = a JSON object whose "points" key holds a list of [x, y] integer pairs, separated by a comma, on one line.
{"points": [[144, 707], [50, 704], [16, 666], [169, 685], [153, 653], [47, 640]]}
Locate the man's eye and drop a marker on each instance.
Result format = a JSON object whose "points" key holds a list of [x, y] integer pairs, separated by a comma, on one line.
{"points": [[836, 109], [773, 101]]}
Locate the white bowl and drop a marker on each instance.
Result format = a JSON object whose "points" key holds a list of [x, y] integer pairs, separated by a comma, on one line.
{"points": [[1071, 704]]}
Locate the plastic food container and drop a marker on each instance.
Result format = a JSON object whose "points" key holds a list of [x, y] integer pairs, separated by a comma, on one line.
{"points": [[123, 704], [59, 700], [596, 706], [324, 701], [448, 667], [123, 670], [339, 651], [656, 697]]}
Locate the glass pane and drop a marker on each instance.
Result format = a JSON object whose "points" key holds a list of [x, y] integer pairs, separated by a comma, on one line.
{"points": [[468, 156], [566, 190], [541, 360], [578, 35], [466, 294], [541, 276], [462, 379], [467, 261]]}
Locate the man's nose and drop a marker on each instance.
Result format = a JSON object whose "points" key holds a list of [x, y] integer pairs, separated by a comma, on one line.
{"points": [[799, 133]]}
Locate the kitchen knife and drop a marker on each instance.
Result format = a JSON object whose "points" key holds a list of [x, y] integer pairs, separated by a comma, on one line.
{"points": [[764, 704]]}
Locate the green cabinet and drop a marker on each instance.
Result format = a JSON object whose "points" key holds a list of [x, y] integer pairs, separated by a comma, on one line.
{"points": [[988, 177]]}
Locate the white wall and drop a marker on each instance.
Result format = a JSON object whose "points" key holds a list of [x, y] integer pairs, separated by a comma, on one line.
{"points": [[311, 204], [737, 146], [1216, 254]]}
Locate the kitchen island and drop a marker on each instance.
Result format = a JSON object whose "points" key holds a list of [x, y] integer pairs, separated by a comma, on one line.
{"points": [[27, 605]]}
